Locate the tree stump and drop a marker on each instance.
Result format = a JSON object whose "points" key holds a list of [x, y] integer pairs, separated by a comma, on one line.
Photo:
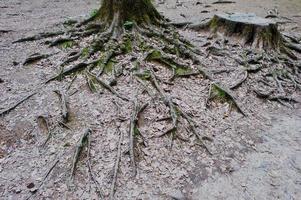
{"points": [[248, 29]]}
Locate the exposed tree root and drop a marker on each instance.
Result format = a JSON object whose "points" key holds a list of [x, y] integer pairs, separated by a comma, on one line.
{"points": [[240, 81], [7, 110], [39, 36], [158, 43], [192, 124], [175, 112], [216, 90], [272, 97], [108, 87], [91, 174], [80, 145], [116, 167], [36, 57], [172, 107], [134, 132]]}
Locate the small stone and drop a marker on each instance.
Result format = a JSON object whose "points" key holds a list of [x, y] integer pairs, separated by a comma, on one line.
{"points": [[17, 190], [177, 195], [33, 190], [30, 185]]}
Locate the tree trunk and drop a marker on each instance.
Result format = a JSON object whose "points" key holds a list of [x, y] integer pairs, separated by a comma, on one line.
{"points": [[118, 12]]}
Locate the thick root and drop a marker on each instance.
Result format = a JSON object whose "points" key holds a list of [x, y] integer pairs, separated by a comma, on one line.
{"points": [[80, 145], [216, 90]]}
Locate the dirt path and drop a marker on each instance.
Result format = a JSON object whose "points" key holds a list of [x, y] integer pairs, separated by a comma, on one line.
{"points": [[273, 171], [265, 145]]}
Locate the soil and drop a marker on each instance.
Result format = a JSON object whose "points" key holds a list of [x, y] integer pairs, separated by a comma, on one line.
{"points": [[254, 157]]}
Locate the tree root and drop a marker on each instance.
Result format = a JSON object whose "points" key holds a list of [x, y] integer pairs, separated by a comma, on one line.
{"points": [[72, 69], [39, 36], [294, 47], [240, 81], [94, 60], [80, 145], [36, 57], [7, 110], [134, 131], [167, 100], [59, 41], [192, 126], [278, 98], [108, 87], [116, 167], [175, 112], [92, 176], [222, 92]]}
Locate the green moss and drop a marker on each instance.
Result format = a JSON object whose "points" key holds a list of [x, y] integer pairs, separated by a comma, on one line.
{"points": [[91, 84], [128, 25], [126, 47], [144, 46], [182, 71], [136, 131], [85, 52], [67, 44], [154, 55], [219, 94], [144, 75], [94, 13], [214, 24], [109, 66]]}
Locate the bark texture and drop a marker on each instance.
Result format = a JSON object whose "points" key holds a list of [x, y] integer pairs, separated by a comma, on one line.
{"points": [[120, 11], [248, 29]]}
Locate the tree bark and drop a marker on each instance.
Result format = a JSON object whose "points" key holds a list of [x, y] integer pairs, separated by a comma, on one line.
{"points": [[120, 11]]}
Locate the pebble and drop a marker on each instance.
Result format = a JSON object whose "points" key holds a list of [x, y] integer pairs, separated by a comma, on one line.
{"points": [[177, 195]]}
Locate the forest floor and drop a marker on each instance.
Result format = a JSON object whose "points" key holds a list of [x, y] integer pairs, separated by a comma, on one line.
{"points": [[254, 157]]}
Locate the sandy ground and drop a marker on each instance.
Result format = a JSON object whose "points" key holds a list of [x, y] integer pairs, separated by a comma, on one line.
{"points": [[257, 157]]}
